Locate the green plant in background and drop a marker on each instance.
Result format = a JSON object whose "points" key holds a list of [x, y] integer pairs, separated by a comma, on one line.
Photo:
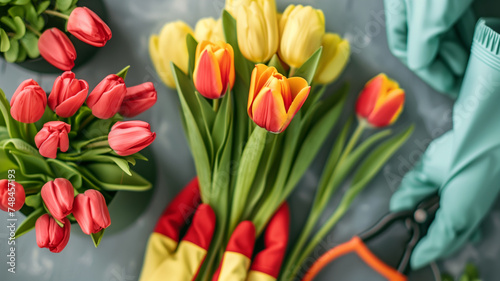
{"points": [[471, 273], [23, 21]]}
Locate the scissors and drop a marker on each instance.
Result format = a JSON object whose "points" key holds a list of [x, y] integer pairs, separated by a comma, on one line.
{"points": [[416, 222]]}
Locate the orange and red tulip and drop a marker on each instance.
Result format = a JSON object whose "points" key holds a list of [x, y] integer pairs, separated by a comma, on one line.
{"points": [[381, 101], [214, 69], [274, 99]]}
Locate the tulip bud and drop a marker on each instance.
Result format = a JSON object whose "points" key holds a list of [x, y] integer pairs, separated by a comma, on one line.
{"points": [[273, 99], [91, 212], [302, 29], [58, 196], [129, 137], [163, 51], [50, 235], [88, 27], [107, 97], [214, 69], [56, 48], [12, 196], [257, 29], [209, 29], [53, 135], [333, 58], [28, 102], [381, 101], [138, 99], [232, 6], [68, 94]]}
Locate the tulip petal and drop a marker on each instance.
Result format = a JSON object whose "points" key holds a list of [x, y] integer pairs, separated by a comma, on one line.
{"points": [[49, 146], [71, 105], [260, 74], [389, 111], [297, 103], [369, 96], [268, 110], [207, 76], [42, 231], [99, 210], [82, 213]]}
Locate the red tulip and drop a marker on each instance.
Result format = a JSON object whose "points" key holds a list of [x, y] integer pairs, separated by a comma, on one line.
{"points": [[50, 235], [138, 99], [29, 102], [88, 27], [56, 48], [381, 101], [68, 94], [214, 69], [129, 137], [58, 196], [53, 135], [274, 99], [107, 97], [91, 212], [12, 196]]}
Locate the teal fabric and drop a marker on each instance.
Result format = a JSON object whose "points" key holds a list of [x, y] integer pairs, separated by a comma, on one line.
{"points": [[463, 165], [433, 38]]}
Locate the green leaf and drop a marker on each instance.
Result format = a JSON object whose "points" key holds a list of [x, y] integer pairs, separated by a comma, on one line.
{"points": [[4, 41], [13, 52], [471, 271], [222, 123], [21, 56], [16, 24], [34, 200], [123, 73], [111, 177], [16, 11], [63, 5], [121, 163], [12, 125], [276, 63], [42, 6], [33, 17], [29, 223], [308, 69], [242, 65], [376, 160], [20, 2], [314, 139], [63, 170], [194, 131], [247, 170], [191, 46], [96, 237]]}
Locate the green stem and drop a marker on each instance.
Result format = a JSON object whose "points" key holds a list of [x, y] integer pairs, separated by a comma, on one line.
{"points": [[97, 144], [32, 29], [27, 132], [57, 14], [216, 105], [320, 203], [292, 71], [86, 122]]}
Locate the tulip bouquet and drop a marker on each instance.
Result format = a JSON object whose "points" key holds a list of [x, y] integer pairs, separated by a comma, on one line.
{"points": [[27, 31], [63, 158], [251, 88]]}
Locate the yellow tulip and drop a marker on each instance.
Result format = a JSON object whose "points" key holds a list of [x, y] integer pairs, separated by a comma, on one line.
{"points": [[170, 46], [209, 29], [232, 6], [302, 29], [333, 60], [257, 29]]}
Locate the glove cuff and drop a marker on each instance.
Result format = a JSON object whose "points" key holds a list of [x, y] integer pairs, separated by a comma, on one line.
{"points": [[486, 44]]}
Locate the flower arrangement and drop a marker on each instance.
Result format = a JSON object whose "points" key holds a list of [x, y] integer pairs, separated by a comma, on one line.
{"points": [[251, 87], [67, 155], [27, 31]]}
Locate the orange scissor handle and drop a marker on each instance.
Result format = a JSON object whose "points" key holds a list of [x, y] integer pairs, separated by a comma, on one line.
{"points": [[358, 246]]}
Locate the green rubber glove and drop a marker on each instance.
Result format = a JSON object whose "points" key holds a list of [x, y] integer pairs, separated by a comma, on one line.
{"points": [[432, 38], [463, 165]]}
